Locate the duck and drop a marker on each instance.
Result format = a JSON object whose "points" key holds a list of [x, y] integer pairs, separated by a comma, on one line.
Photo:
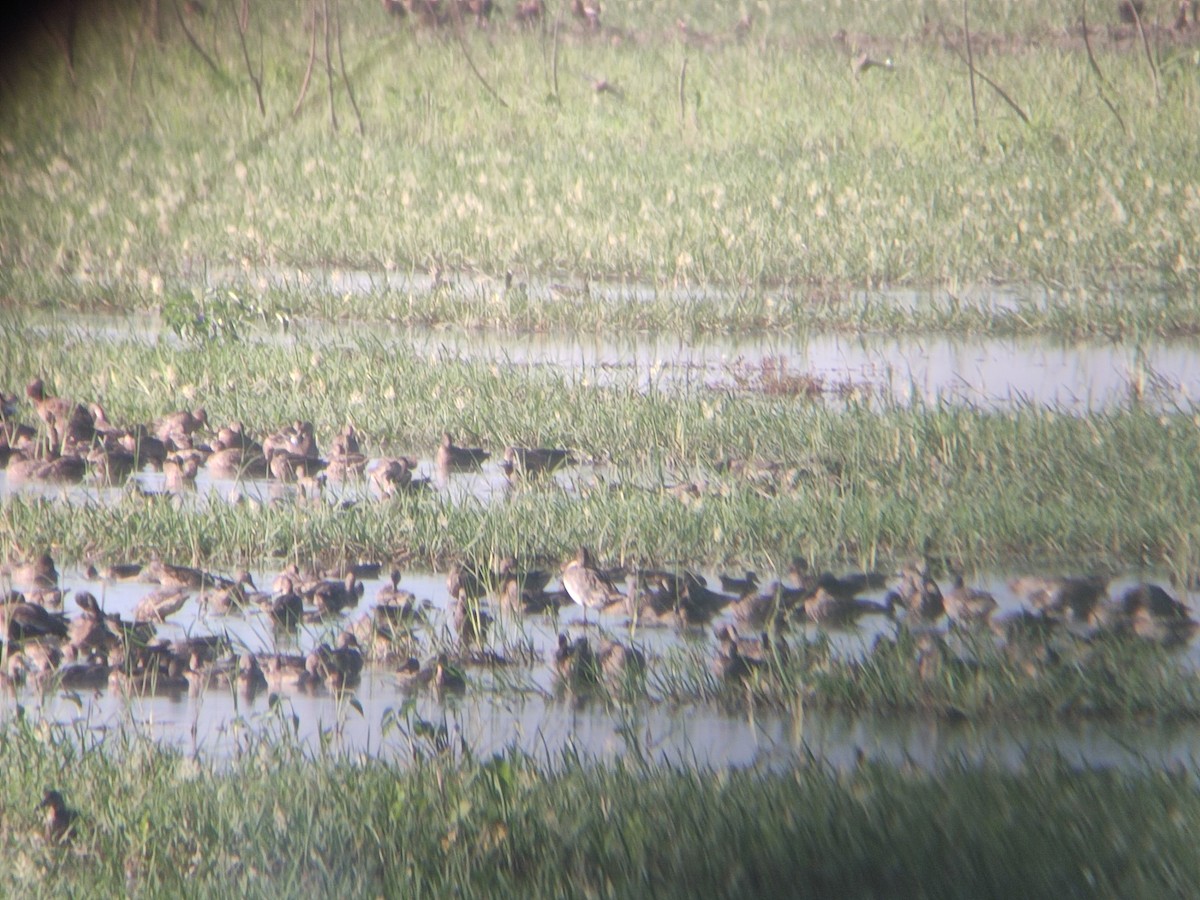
{"points": [[1073, 599], [39, 572], [825, 608], [66, 422], [236, 597], [759, 611], [25, 621], [176, 429], [283, 670], [471, 621], [844, 587], [112, 572], [89, 633], [160, 603], [180, 471], [465, 583], [450, 457], [762, 649], [144, 447], [530, 461], [286, 609], [339, 667], [110, 466], [250, 676], [525, 591], [618, 660], [295, 440], [730, 665], [740, 586], [574, 662], [917, 594], [587, 585], [968, 607], [175, 576], [345, 443], [331, 597], [1149, 612], [55, 468], [391, 476], [290, 467], [59, 821], [235, 462]]}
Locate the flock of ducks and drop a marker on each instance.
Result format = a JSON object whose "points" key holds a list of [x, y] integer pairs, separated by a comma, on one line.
{"points": [[96, 649], [70, 442]]}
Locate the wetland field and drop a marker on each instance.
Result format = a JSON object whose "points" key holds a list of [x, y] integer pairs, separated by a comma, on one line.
{"points": [[577, 450]]}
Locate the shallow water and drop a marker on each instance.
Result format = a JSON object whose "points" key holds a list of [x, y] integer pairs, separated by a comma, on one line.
{"points": [[521, 705], [985, 372]]}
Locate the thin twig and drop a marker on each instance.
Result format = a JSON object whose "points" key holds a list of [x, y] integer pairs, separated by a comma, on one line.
{"points": [[554, 54], [242, 24], [337, 21], [196, 46], [1103, 82], [971, 67], [995, 87], [682, 93], [312, 58], [470, 62], [329, 65], [1137, 18]]}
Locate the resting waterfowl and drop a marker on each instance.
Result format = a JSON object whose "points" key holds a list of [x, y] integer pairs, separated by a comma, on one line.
{"points": [[967, 606], [575, 663], [587, 585], [176, 429], [1149, 612], [843, 587], [531, 461], [233, 598], [451, 457], [747, 584], [618, 660], [113, 572], [345, 443], [825, 608], [144, 447], [759, 611], [60, 821], [339, 667], [331, 597], [66, 422], [393, 475], [287, 609], [918, 594], [25, 621], [38, 572], [471, 621], [23, 467], [465, 583], [761, 649], [168, 576], [295, 440], [1069, 598], [160, 603], [283, 670], [235, 462]]}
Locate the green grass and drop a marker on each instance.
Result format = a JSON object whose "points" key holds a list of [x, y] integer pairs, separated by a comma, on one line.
{"points": [[783, 171], [275, 823], [869, 484], [965, 676]]}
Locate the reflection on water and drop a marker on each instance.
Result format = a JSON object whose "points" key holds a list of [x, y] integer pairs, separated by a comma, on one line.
{"points": [[986, 372], [521, 706]]}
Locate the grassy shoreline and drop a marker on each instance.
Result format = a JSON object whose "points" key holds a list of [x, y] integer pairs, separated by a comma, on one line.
{"points": [[783, 168], [274, 822]]}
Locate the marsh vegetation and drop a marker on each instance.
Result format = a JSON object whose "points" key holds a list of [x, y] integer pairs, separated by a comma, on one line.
{"points": [[360, 218]]}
